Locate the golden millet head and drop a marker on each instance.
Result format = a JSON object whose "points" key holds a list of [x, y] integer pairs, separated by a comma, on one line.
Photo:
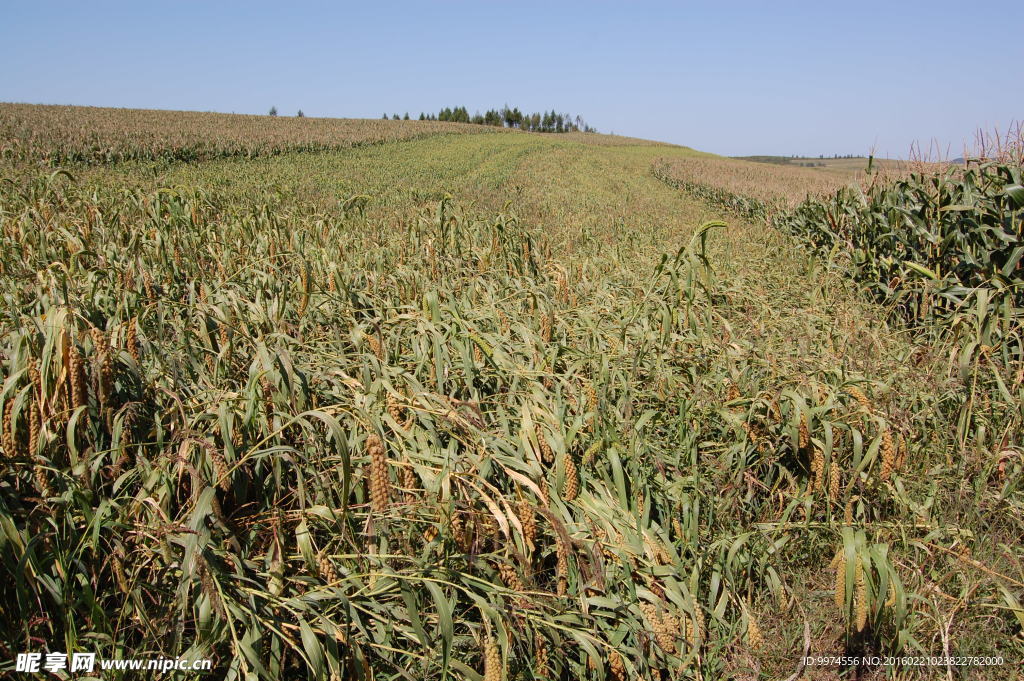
{"points": [[861, 596], [8, 428], [571, 489], [380, 486], [805, 434], [528, 518], [616, 666], [562, 567], [76, 375], [754, 637], [410, 481], [220, 470], [839, 563], [547, 455], [540, 648], [888, 452], [326, 568], [509, 576], [376, 347], [818, 468], [861, 398], [834, 481], [492, 660], [132, 340]]}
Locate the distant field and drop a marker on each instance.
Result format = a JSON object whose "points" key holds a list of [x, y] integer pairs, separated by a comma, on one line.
{"points": [[854, 168], [768, 182], [366, 399], [93, 135]]}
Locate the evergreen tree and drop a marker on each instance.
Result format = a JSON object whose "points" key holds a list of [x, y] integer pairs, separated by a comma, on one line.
{"points": [[547, 121], [273, 111]]}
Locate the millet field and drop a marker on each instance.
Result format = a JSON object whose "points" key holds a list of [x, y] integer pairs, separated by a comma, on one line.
{"points": [[420, 400]]}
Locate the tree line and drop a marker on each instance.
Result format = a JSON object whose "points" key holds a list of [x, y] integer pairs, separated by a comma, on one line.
{"points": [[547, 121]]}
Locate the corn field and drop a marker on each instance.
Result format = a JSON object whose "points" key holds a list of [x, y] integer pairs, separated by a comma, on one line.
{"points": [[474, 407], [60, 135]]}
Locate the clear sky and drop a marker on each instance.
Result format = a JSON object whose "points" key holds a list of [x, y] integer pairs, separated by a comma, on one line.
{"points": [[733, 77]]}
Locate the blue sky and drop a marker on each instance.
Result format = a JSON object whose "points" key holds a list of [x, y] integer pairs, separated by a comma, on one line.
{"points": [[733, 78]]}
